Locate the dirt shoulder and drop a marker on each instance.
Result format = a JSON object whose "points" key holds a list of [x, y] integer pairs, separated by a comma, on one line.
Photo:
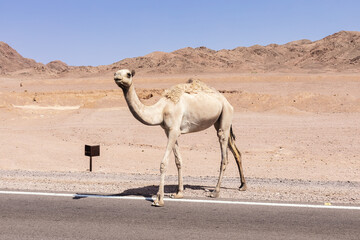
{"points": [[123, 184]]}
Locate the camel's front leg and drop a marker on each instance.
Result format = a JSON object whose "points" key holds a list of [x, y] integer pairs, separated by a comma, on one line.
{"points": [[172, 137], [178, 161]]}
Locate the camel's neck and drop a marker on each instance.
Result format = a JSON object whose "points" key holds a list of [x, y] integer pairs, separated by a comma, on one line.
{"points": [[149, 115]]}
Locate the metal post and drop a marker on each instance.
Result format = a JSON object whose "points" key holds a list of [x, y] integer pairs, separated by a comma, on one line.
{"points": [[90, 163]]}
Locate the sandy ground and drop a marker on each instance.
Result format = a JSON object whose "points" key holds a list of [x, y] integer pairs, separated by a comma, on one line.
{"points": [[299, 136]]}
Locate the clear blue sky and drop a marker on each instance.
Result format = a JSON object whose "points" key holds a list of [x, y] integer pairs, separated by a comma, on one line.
{"points": [[101, 32]]}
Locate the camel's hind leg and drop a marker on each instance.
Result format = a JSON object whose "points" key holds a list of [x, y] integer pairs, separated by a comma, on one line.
{"points": [[178, 161], [237, 156]]}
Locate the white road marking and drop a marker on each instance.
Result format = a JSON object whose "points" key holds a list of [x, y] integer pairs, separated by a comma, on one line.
{"points": [[184, 200]]}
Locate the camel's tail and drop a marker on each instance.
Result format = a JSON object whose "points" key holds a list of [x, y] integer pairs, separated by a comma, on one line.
{"points": [[237, 155]]}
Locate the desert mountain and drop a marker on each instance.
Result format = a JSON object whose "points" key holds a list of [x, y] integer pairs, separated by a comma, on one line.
{"points": [[11, 60], [339, 52], [336, 53]]}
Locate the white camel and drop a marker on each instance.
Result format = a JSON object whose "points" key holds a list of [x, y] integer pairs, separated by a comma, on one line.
{"points": [[184, 108]]}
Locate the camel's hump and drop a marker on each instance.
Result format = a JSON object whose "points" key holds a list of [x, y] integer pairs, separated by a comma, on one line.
{"points": [[192, 86]]}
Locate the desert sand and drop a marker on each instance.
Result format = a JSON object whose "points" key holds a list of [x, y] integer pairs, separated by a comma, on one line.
{"points": [[298, 133], [297, 122]]}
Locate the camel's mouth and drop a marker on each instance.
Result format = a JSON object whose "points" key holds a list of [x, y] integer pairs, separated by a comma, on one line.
{"points": [[121, 83], [118, 79]]}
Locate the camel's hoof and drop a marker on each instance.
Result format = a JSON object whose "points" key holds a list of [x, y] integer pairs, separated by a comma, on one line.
{"points": [[243, 187], [215, 194], [177, 195], [157, 204]]}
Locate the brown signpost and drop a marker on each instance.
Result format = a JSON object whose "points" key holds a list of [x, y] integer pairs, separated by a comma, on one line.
{"points": [[92, 151]]}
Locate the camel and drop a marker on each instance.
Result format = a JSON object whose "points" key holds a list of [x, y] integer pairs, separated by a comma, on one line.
{"points": [[184, 108]]}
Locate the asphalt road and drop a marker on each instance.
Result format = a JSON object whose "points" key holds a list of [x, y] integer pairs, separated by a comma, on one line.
{"points": [[48, 217]]}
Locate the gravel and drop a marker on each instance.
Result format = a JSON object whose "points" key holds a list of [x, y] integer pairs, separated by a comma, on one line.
{"points": [[259, 189]]}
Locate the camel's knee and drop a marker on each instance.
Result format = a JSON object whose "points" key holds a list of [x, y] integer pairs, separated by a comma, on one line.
{"points": [[178, 163]]}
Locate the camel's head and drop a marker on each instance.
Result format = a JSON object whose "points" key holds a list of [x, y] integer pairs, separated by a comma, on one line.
{"points": [[123, 78]]}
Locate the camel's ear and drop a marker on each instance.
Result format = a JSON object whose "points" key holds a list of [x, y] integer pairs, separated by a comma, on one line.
{"points": [[132, 72]]}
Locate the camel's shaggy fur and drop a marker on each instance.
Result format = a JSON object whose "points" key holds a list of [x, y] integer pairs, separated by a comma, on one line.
{"points": [[193, 86]]}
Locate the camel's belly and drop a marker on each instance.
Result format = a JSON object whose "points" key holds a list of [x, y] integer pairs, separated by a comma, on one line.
{"points": [[200, 112]]}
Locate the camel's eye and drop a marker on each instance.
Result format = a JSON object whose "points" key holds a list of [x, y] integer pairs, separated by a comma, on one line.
{"points": [[128, 75]]}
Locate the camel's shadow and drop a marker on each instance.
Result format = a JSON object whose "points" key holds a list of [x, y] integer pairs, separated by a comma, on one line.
{"points": [[147, 191]]}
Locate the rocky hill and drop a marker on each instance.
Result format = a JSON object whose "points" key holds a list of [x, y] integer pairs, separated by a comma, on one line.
{"points": [[339, 52], [11, 60]]}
